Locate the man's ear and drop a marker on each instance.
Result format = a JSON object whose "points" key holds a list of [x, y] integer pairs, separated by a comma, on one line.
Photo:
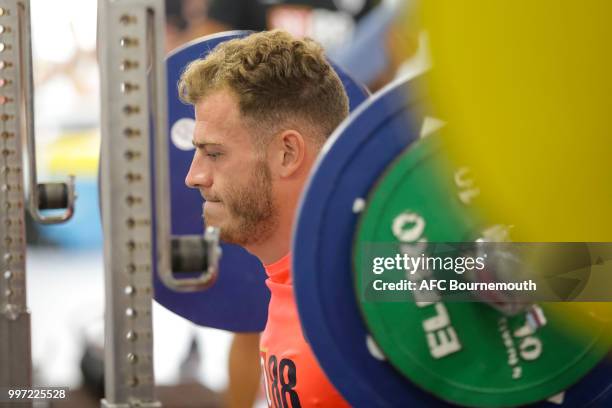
{"points": [[290, 152]]}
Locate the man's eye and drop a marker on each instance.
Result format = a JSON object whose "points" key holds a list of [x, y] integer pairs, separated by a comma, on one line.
{"points": [[213, 155]]}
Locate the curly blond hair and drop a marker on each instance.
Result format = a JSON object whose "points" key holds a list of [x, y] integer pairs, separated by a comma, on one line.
{"points": [[278, 81]]}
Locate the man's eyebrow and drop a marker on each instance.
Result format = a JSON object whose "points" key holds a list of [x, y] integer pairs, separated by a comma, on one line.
{"points": [[201, 145]]}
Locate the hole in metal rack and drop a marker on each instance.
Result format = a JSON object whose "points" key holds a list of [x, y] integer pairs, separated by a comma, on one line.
{"points": [[4, 82], [129, 290], [131, 245], [8, 293], [126, 42], [131, 335], [127, 87], [130, 223], [132, 177], [131, 268], [131, 132], [132, 200], [6, 135], [3, 12], [130, 155], [6, 117], [133, 382], [8, 275], [128, 64], [2, 29], [5, 99], [8, 241], [127, 19], [131, 109], [130, 312], [5, 64], [2, 47]]}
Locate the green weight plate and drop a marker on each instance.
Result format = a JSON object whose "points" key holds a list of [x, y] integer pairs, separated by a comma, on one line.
{"points": [[465, 353]]}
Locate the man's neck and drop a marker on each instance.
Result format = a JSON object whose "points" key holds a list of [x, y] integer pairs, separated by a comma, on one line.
{"points": [[272, 250], [279, 242]]}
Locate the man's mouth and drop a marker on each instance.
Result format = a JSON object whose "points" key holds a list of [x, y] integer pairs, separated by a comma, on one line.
{"points": [[211, 199]]}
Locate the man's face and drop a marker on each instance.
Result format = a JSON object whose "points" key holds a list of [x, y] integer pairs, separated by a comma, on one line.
{"points": [[231, 174]]}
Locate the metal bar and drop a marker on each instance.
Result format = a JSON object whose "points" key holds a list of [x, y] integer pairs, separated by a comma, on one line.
{"points": [[57, 195], [124, 56], [15, 343], [194, 253], [135, 196]]}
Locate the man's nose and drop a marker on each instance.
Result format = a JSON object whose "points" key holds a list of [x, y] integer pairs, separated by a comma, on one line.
{"points": [[198, 175]]}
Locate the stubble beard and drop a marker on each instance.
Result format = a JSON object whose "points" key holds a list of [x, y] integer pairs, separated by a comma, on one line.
{"points": [[252, 213]]}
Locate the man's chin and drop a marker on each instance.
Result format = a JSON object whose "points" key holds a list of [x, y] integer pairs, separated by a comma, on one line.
{"points": [[211, 222], [229, 236]]}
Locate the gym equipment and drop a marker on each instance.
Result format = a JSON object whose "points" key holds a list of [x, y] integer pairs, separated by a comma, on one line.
{"points": [[463, 352], [322, 242], [369, 373], [135, 225], [16, 116], [239, 299], [124, 44]]}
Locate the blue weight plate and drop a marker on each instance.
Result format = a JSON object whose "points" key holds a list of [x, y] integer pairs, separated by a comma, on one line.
{"points": [[354, 158], [593, 391], [356, 155], [239, 299]]}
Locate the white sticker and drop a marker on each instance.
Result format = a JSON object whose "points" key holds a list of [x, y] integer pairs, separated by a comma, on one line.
{"points": [[373, 348], [181, 133], [557, 399], [430, 125]]}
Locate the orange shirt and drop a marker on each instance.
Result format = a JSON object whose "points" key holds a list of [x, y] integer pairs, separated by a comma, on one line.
{"points": [[293, 377]]}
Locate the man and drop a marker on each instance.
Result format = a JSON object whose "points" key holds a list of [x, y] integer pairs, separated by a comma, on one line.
{"points": [[264, 106]]}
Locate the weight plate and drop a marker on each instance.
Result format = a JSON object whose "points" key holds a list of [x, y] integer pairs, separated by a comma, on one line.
{"points": [[239, 299], [466, 353], [354, 158]]}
